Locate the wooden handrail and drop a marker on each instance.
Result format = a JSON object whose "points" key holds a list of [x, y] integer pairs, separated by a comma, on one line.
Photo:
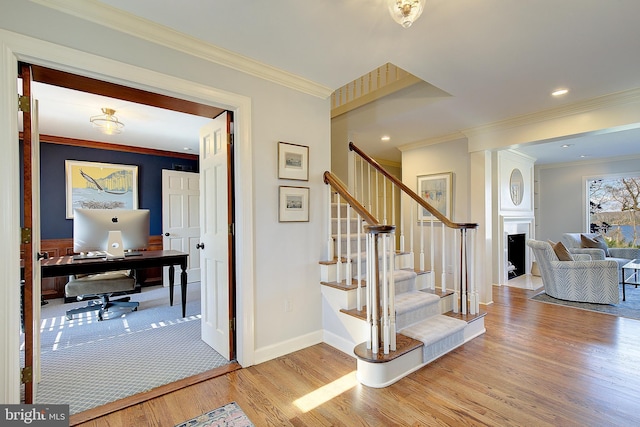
{"points": [[446, 221], [337, 185]]}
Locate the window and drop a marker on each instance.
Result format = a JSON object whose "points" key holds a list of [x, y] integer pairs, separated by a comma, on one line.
{"points": [[614, 208]]}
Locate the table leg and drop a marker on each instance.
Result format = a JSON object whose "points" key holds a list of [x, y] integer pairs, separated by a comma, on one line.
{"points": [[183, 288], [624, 279], [172, 271]]}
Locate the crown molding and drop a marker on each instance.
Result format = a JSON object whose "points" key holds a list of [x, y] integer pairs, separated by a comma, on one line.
{"points": [[605, 101], [110, 17], [587, 162], [432, 141]]}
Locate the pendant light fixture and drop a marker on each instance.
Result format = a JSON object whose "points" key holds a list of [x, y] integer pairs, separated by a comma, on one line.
{"points": [[405, 12], [107, 123]]}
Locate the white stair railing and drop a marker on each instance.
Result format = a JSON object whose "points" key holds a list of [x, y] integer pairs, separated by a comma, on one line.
{"points": [[435, 237]]}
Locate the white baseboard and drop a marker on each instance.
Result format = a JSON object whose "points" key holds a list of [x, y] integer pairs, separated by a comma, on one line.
{"points": [[285, 347]]}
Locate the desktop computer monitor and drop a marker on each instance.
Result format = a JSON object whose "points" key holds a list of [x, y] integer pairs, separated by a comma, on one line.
{"points": [[91, 228]]}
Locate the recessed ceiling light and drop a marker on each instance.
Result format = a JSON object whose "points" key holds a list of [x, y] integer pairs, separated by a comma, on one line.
{"points": [[385, 138], [566, 145], [188, 149], [560, 92], [584, 156]]}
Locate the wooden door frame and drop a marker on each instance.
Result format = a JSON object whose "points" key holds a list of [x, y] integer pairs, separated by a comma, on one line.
{"points": [[14, 48]]}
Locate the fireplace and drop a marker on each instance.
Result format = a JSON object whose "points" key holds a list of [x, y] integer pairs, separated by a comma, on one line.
{"points": [[516, 255]]}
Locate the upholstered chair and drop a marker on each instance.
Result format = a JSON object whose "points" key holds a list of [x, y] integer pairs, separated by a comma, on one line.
{"points": [[583, 280], [573, 242]]}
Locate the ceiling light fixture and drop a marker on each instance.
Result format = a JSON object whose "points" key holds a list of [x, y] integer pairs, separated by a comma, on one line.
{"points": [[405, 12], [566, 145], [107, 123], [560, 92], [385, 138]]}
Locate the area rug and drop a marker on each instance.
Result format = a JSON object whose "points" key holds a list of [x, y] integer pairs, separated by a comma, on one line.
{"points": [[87, 363], [629, 308], [228, 415]]}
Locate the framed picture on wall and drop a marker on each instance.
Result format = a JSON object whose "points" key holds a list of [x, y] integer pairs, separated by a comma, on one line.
{"points": [[93, 185], [293, 161], [436, 190], [294, 204]]}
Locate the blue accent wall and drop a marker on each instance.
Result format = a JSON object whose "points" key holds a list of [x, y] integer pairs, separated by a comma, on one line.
{"points": [[54, 224]]}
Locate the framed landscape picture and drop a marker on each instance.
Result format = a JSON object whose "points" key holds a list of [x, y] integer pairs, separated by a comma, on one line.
{"points": [[293, 161], [93, 185], [294, 204], [436, 190]]}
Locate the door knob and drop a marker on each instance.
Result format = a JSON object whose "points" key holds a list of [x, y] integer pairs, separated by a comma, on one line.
{"points": [[42, 255], [167, 234], [200, 246]]}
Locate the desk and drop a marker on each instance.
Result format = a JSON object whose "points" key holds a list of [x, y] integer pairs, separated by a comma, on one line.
{"points": [[66, 265]]}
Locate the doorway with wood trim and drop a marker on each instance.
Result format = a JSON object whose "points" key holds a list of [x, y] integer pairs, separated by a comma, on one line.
{"points": [[61, 79]]}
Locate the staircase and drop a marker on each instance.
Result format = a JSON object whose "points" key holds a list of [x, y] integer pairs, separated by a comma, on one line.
{"points": [[399, 322]]}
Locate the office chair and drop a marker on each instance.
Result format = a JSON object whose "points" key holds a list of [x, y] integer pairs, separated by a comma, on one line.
{"points": [[103, 286]]}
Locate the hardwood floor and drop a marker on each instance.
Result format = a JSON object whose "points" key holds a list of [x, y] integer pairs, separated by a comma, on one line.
{"points": [[537, 365]]}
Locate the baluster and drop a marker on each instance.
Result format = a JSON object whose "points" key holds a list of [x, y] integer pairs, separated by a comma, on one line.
{"points": [[347, 274], [456, 282], [330, 248], [463, 269], [385, 293], [443, 277], [384, 201], [359, 266], [339, 240], [392, 296], [377, 201], [422, 268], [362, 183], [369, 290], [474, 304], [432, 270], [401, 223], [413, 205], [393, 204], [375, 296]]}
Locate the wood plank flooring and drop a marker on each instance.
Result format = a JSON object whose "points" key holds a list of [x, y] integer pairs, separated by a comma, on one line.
{"points": [[537, 365]]}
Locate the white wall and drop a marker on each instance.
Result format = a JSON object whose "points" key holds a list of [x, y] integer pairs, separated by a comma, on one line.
{"points": [[562, 194], [284, 255], [449, 156]]}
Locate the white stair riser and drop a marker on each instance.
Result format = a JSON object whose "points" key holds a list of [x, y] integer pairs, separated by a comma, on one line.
{"points": [[378, 375], [328, 271]]}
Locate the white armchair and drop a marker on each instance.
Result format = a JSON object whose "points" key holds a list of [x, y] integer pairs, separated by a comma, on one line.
{"points": [[584, 280], [621, 256]]}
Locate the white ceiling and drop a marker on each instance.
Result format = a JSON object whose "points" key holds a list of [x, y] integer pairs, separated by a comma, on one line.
{"points": [[496, 58], [65, 112]]}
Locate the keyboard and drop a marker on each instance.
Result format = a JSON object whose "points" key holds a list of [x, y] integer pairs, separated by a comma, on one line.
{"points": [[90, 255], [101, 254]]}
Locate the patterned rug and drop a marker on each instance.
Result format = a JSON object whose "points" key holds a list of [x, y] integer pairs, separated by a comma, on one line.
{"points": [[629, 308], [86, 363], [229, 415]]}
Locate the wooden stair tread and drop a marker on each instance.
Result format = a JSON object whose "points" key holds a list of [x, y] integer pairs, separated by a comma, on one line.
{"points": [[404, 345], [343, 285], [439, 293], [362, 314], [466, 317]]}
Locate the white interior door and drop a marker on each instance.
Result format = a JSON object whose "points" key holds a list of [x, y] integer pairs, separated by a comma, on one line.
{"points": [[181, 220], [215, 235]]}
